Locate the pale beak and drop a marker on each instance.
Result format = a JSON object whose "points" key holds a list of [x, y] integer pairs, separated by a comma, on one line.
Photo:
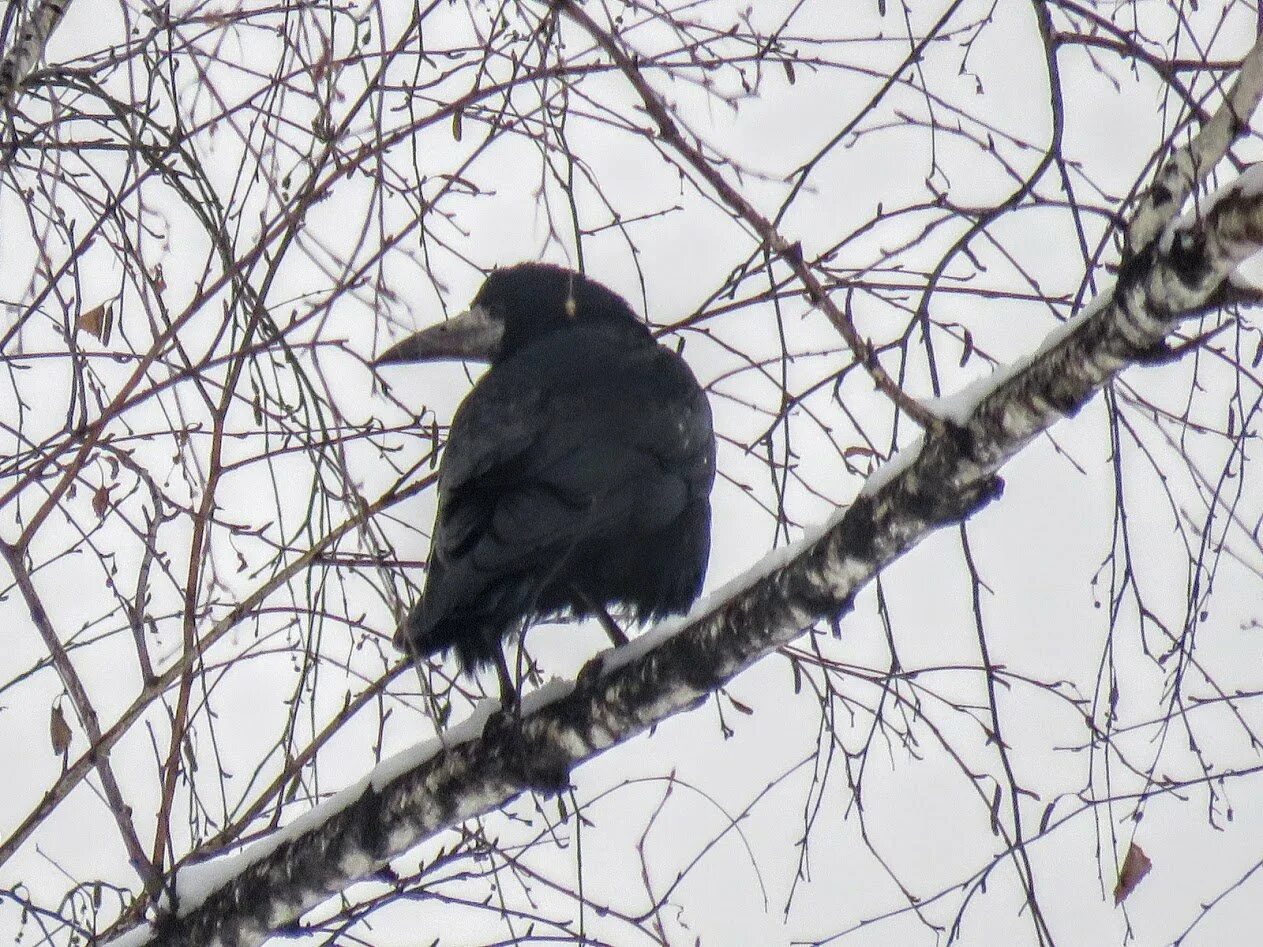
{"points": [[472, 336]]}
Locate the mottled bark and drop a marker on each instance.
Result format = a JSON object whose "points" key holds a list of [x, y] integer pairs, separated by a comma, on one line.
{"points": [[28, 47]]}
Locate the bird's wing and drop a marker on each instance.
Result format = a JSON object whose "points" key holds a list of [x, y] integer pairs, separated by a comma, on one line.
{"points": [[553, 450]]}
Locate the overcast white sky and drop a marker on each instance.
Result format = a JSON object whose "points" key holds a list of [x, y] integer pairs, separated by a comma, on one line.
{"points": [[803, 864]]}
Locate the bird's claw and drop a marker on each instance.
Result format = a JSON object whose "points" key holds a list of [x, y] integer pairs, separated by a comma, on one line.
{"points": [[534, 760]]}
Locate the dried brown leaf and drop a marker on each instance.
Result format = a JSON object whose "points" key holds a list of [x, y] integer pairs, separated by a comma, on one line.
{"points": [[321, 67], [1135, 866], [97, 321], [58, 731], [968, 347]]}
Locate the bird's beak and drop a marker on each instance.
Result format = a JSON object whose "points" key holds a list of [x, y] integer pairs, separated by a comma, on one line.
{"points": [[472, 336]]}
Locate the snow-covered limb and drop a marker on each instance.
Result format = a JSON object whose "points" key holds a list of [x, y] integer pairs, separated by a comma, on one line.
{"points": [[1190, 166], [29, 46], [952, 474]]}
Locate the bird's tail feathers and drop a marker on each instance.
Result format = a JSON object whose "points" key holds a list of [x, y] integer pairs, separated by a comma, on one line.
{"points": [[475, 640]]}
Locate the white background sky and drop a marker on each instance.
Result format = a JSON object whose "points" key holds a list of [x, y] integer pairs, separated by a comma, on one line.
{"points": [[668, 796]]}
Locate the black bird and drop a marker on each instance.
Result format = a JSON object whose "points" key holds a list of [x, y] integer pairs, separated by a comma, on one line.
{"points": [[577, 472]]}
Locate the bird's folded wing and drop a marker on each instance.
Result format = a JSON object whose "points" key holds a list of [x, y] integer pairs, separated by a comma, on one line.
{"points": [[537, 466]]}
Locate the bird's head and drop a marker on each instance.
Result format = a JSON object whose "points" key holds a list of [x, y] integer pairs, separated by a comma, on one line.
{"points": [[515, 306]]}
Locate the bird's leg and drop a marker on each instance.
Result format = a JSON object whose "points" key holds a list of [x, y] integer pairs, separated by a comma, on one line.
{"points": [[509, 698], [617, 636], [540, 769]]}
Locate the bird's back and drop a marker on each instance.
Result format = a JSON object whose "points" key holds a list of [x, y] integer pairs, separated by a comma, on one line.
{"points": [[580, 468]]}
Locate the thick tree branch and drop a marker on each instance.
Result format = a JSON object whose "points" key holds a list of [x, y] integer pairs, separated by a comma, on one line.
{"points": [[943, 481], [26, 51], [1189, 167]]}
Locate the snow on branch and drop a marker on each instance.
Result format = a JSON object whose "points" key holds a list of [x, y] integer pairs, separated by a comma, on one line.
{"points": [[29, 47], [950, 476]]}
